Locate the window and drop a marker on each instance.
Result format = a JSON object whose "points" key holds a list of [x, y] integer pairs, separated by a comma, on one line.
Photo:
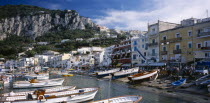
{"points": [[190, 45], [198, 45], [189, 33], [164, 48], [164, 38], [134, 42], [177, 35], [134, 56], [153, 52], [198, 31], [177, 47], [207, 43], [142, 46], [153, 40], [145, 54], [142, 40], [207, 54]]}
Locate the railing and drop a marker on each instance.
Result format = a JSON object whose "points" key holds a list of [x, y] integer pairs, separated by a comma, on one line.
{"points": [[205, 48], [163, 52], [171, 40], [153, 44], [203, 34], [179, 51]]}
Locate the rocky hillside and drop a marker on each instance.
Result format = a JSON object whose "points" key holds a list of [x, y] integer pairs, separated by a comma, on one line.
{"points": [[32, 21]]}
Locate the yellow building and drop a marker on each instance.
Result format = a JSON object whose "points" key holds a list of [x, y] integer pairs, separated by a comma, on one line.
{"points": [[184, 43]]}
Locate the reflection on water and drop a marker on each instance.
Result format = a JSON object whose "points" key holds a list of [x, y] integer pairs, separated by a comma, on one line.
{"points": [[109, 88]]}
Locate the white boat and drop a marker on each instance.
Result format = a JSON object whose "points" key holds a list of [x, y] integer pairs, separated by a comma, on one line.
{"points": [[34, 83], [201, 79], [124, 73], [208, 87], [121, 99], [141, 76], [39, 76], [48, 90], [70, 96], [101, 74]]}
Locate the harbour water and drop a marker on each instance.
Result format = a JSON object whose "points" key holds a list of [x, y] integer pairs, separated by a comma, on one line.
{"points": [[109, 88]]}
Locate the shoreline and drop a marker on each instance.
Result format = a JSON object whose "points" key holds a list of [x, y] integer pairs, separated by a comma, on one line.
{"points": [[177, 93]]}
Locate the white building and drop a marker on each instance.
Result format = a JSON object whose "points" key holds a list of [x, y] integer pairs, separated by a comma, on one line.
{"points": [[107, 56], [138, 47]]}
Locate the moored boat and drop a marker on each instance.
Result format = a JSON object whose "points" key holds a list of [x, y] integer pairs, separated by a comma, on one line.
{"points": [[35, 83], [201, 79], [39, 76], [48, 90], [121, 99], [101, 74], [124, 73], [204, 83], [179, 82], [67, 75], [143, 75], [71, 96]]}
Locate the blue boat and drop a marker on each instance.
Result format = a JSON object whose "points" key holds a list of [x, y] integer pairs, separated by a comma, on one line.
{"points": [[179, 82]]}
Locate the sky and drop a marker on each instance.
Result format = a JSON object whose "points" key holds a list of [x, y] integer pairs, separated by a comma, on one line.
{"points": [[127, 14]]}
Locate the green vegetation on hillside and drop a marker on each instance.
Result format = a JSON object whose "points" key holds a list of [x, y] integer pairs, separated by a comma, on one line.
{"points": [[25, 10]]}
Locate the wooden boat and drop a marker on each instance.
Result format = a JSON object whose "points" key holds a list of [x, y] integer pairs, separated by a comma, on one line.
{"points": [[121, 99], [101, 74], [49, 90], [201, 79], [35, 83], [39, 76], [143, 75], [71, 96], [179, 82], [124, 73]]}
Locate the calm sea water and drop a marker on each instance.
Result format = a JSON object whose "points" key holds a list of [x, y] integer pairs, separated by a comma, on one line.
{"points": [[110, 89]]}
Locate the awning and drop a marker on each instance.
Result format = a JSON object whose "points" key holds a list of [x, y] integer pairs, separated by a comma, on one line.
{"points": [[152, 64], [126, 65]]}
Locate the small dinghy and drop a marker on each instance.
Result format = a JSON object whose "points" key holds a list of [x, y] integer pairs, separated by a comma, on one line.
{"points": [[49, 90], [35, 83], [71, 96], [201, 79], [144, 75], [101, 74], [121, 99], [179, 82], [124, 73]]}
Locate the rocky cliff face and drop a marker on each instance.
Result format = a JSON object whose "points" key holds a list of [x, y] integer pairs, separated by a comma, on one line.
{"points": [[36, 25]]}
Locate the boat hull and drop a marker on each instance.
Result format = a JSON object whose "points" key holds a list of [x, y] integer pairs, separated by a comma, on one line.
{"points": [[38, 85], [69, 99], [142, 77]]}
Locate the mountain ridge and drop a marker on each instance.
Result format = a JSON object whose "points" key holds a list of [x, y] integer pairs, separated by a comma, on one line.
{"points": [[33, 21]]}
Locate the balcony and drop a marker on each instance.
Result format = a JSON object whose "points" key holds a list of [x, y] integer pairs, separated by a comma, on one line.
{"points": [[163, 52], [205, 48], [163, 41], [203, 34], [125, 60], [179, 51], [175, 40], [153, 44]]}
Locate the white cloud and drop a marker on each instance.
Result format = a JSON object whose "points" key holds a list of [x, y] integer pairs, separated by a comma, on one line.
{"points": [[165, 10]]}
